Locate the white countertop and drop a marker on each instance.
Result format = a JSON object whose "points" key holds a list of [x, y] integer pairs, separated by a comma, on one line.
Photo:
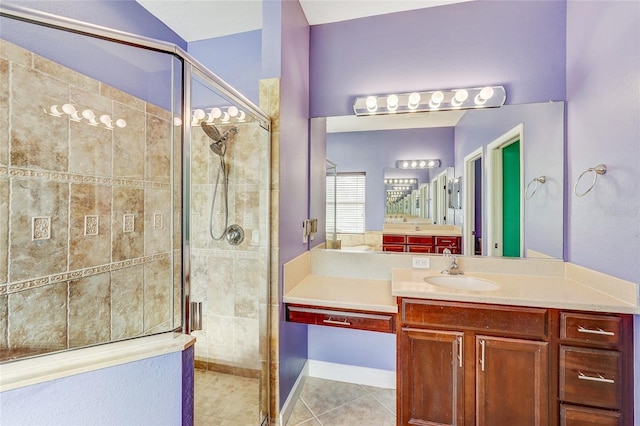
{"points": [[518, 290], [344, 293], [424, 232]]}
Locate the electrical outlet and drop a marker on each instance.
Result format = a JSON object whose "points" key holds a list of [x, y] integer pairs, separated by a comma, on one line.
{"points": [[421, 262]]}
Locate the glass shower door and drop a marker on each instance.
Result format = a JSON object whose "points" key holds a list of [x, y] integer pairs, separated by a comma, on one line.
{"points": [[229, 254]]}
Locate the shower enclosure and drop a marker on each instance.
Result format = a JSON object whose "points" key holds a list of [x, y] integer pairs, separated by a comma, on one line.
{"points": [[107, 181]]}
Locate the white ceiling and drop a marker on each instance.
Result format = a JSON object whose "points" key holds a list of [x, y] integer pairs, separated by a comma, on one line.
{"points": [[202, 19]]}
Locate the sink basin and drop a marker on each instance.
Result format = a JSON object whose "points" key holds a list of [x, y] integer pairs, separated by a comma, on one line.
{"points": [[462, 282]]}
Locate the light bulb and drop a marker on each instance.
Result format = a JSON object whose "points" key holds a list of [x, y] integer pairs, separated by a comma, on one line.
{"points": [[431, 163], [215, 113], [485, 94], [414, 164], [88, 114], [121, 123], [392, 102], [371, 103], [68, 109], [423, 163], [405, 164], [225, 117], [55, 111], [436, 99], [177, 121], [460, 96], [199, 114], [413, 101], [242, 116], [233, 111]]}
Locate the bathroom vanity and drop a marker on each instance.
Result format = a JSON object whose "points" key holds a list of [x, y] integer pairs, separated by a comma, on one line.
{"points": [[528, 343]]}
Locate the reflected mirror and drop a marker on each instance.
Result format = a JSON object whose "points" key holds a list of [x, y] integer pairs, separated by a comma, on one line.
{"points": [[479, 151]]}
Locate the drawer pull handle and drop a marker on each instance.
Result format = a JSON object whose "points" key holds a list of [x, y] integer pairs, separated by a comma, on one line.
{"points": [[332, 321], [482, 355], [460, 352], [600, 378], [600, 331]]}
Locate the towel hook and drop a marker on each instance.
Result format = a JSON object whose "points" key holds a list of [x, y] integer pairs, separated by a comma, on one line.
{"points": [[600, 169], [537, 181]]}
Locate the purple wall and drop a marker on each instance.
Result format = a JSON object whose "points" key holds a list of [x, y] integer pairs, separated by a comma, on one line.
{"points": [[603, 66], [146, 392], [294, 166], [543, 144], [237, 59], [373, 151], [517, 44]]}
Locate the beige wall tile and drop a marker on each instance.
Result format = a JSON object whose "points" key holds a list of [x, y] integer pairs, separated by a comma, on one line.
{"points": [[41, 143], [122, 97], [31, 198], [157, 217], [89, 250], [246, 280], [158, 112], [4, 228], [158, 149], [65, 74], [15, 53], [3, 321], [90, 310], [158, 289], [38, 318], [127, 245], [127, 298], [4, 111], [90, 146], [129, 143]]}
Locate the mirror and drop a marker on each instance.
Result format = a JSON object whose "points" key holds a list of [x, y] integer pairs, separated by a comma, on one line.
{"points": [[470, 149]]}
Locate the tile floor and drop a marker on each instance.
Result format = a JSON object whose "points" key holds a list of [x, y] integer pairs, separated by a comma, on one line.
{"points": [[226, 400], [328, 403]]}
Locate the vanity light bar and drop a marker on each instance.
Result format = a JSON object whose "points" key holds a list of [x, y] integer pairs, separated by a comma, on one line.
{"points": [[401, 180], [437, 100], [417, 164]]}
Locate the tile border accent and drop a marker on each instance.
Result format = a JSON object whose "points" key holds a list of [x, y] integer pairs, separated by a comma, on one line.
{"points": [[75, 178], [14, 287], [157, 221]]}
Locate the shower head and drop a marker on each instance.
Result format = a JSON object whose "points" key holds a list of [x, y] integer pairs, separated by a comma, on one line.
{"points": [[219, 145]]}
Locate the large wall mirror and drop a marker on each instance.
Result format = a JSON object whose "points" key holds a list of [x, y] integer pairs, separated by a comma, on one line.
{"points": [[489, 162]]}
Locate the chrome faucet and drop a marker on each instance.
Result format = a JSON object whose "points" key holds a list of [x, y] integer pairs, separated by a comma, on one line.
{"points": [[453, 267]]}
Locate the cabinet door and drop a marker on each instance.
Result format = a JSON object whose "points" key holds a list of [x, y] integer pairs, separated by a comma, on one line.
{"points": [[431, 378], [511, 382]]}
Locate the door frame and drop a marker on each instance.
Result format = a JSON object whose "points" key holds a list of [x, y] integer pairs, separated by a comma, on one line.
{"points": [[494, 189], [469, 183]]}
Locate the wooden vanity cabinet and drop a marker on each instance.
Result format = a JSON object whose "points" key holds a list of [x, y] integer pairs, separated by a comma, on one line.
{"points": [[595, 369], [472, 364], [476, 364]]}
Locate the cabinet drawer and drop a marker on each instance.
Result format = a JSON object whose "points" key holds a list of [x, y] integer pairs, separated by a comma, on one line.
{"points": [[398, 239], [582, 416], [591, 376], [530, 322], [341, 318], [591, 329], [392, 247], [447, 241], [454, 250], [419, 249], [413, 239]]}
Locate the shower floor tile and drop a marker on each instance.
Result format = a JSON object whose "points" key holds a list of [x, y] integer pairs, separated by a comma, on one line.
{"points": [[225, 400]]}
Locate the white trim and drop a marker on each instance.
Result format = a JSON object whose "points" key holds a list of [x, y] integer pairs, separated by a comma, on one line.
{"points": [[469, 201], [494, 188], [292, 398], [352, 374]]}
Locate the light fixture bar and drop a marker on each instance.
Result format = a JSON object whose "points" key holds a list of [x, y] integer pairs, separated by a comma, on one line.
{"points": [[417, 164], [436, 100]]}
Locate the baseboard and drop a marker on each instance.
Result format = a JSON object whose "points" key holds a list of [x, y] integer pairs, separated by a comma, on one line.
{"points": [[352, 374], [292, 398]]}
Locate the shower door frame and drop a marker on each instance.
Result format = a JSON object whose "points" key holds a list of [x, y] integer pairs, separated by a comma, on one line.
{"points": [[189, 63]]}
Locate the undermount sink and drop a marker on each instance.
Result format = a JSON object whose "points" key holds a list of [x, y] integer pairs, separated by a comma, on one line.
{"points": [[461, 282]]}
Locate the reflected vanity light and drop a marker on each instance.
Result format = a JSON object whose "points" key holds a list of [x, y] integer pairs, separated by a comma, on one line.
{"points": [[223, 115], [417, 164], [87, 114], [400, 181], [438, 100]]}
